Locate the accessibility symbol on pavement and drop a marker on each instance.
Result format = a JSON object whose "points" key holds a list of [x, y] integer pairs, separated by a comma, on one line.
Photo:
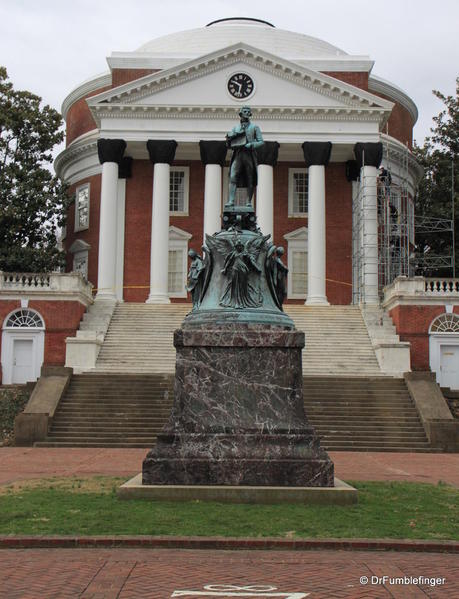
{"points": [[232, 590]]}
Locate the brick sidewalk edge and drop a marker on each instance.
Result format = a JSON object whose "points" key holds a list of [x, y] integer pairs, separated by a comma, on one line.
{"points": [[166, 542]]}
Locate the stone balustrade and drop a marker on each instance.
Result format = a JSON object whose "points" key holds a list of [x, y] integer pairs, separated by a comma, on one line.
{"points": [[442, 286], [46, 285], [422, 290]]}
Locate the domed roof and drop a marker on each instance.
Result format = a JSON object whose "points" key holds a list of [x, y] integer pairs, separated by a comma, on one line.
{"points": [[226, 32]]}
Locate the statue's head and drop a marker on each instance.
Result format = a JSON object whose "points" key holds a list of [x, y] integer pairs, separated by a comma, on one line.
{"points": [[280, 251], [192, 254], [245, 112]]}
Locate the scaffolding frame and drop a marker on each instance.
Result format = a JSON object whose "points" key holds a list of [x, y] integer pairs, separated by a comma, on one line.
{"points": [[395, 225]]}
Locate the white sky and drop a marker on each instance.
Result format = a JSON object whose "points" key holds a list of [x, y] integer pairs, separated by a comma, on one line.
{"points": [[50, 46]]}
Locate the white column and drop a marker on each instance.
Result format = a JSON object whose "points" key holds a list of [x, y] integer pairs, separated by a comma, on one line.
{"points": [[265, 199], [368, 183], [212, 199], [107, 232], [159, 262], [316, 236], [121, 218], [355, 242]]}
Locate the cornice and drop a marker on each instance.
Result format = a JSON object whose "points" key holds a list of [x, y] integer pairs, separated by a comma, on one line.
{"points": [[84, 89], [381, 86], [133, 92], [75, 152], [395, 151], [266, 113], [140, 60]]}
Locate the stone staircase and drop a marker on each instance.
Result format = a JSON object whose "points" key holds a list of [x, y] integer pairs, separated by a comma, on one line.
{"points": [[140, 339], [364, 414], [111, 410], [126, 399], [337, 341], [128, 410]]}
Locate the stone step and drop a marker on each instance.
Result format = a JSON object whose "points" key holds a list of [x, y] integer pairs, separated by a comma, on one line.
{"points": [[92, 443], [376, 438]]}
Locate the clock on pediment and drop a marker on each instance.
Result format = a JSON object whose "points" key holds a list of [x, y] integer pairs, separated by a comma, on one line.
{"points": [[240, 86]]}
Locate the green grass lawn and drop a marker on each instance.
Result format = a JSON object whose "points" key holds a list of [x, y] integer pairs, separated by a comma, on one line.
{"points": [[91, 507]]}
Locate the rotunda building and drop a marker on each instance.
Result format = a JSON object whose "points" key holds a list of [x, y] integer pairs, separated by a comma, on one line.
{"points": [[148, 169]]}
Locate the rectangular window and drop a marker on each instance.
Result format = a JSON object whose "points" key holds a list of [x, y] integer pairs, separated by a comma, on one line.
{"points": [[176, 281], [82, 208], [298, 192], [298, 273], [178, 190]]}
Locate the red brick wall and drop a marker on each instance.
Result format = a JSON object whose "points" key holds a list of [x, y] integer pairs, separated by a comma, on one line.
{"points": [[338, 227], [79, 118], [138, 226], [357, 79], [412, 324], [62, 319], [139, 191], [90, 235], [400, 124], [137, 230], [339, 234], [121, 76]]}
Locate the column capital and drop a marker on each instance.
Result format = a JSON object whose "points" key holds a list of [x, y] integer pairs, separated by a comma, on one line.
{"points": [[162, 150], [125, 168], [110, 150], [368, 154], [268, 153], [317, 153], [352, 170], [213, 152]]}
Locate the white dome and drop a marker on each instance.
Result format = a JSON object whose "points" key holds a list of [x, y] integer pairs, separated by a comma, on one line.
{"points": [[223, 33]]}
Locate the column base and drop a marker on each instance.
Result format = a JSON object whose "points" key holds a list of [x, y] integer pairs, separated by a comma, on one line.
{"points": [[158, 298], [318, 300], [106, 296]]}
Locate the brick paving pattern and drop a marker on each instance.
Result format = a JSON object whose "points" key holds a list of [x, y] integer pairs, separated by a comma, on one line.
{"points": [[173, 573], [166, 574], [19, 463]]}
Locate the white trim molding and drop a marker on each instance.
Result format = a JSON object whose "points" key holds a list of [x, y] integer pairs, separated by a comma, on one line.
{"points": [[297, 241], [291, 186], [186, 190], [381, 86], [178, 241], [84, 89]]}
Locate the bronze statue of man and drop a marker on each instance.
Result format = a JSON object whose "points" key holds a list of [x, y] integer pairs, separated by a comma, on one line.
{"points": [[243, 139]]}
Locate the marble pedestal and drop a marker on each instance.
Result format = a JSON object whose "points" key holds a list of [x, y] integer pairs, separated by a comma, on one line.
{"points": [[238, 416]]}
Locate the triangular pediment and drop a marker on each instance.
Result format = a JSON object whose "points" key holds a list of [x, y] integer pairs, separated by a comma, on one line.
{"points": [[201, 85], [300, 234], [178, 234]]}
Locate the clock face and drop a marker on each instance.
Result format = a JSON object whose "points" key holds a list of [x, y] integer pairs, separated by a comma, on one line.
{"points": [[240, 86]]}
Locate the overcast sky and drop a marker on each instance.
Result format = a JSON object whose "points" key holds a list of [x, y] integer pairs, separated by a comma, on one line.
{"points": [[50, 46]]}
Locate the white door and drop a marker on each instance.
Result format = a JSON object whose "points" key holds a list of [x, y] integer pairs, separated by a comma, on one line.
{"points": [[23, 370], [449, 366]]}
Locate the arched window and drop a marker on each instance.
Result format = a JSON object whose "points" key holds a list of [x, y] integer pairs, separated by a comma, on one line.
{"points": [[24, 318], [445, 323]]}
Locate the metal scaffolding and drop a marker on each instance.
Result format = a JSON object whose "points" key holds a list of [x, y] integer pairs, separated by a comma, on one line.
{"points": [[395, 226]]}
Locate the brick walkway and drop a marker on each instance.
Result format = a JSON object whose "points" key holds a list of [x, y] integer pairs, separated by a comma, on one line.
{"points": [[166, 573], [19, 463], [161, 574]]}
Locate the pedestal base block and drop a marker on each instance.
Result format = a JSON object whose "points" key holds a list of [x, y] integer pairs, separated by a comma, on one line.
{"points": [[238, 415]]}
